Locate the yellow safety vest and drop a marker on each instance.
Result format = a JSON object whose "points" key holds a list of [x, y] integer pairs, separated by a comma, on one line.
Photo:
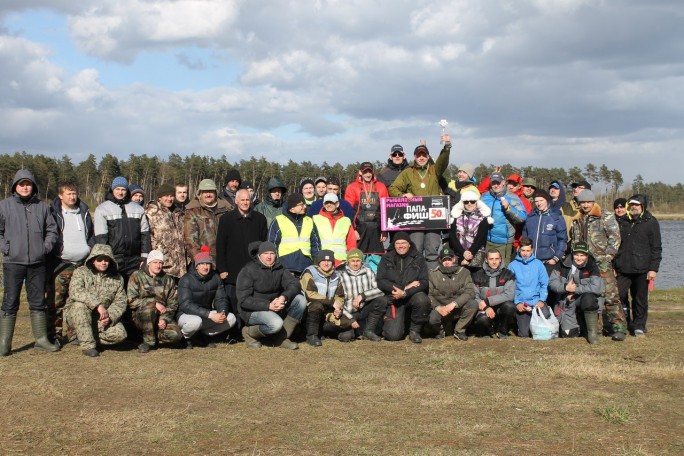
{"points": [[335, 240], [291, 240]]}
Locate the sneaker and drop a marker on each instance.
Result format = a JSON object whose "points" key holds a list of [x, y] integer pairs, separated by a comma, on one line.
{"points": [[460, 336], [639, 333], [93, 353], [143, 348], [618, 336]]}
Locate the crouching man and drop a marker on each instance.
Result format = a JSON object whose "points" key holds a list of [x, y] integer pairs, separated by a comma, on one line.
{"points": [[202, 302], [97, 300], [364, 302], [268, 298], [494, 294], [580, 287], [153, 299], [452, 296]]}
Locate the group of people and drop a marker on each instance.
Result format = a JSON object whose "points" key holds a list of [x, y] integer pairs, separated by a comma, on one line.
{"points": [[227, 266]]}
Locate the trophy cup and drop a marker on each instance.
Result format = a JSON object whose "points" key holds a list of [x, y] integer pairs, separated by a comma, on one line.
{"points": [[443, 123]]}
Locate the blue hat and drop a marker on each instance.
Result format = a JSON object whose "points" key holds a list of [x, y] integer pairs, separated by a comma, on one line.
{"points": [[555, 184], [119, 181]]}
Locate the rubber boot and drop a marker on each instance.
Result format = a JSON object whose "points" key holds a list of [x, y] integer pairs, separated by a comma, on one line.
{"points": [[591, 320], [312, 326], [414, 333], [6, 333], [371, 324], [289, 325], [39, 328], [252, 334]]}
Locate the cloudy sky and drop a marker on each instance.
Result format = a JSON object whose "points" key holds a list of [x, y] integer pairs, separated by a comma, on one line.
{"points": [[526, 82]]}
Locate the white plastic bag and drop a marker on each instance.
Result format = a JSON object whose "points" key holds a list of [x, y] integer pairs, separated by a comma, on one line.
{"points": [[543, 328]]}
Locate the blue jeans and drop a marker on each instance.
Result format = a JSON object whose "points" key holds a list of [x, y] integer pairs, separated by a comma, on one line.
{"points": [[270, 322]]}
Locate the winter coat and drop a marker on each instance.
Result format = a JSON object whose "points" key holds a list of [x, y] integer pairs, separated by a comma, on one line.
{"points": [[409, 180], [94, 288], [345, 208], [201, 224], [640, 247], [123, 225], [494, 286], [452, 284], [587, 278], [398, 271], [362, 282], [199, 295], [365, 201], [269, 207], [349, 239], [258, 285], [531, 280], [558, 204], [56, 211], [469, 230], [600, 231], [505, 221], [28, 232], [389, 173], [143, 289], [166, 232], [235, 232], [548, 233], [323, 287], [295, 261]]}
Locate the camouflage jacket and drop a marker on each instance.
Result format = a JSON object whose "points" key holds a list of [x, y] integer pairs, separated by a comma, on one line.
{"points": [[94, 288], [166, 230], [144, 289], [600, 231], [201, 224]]}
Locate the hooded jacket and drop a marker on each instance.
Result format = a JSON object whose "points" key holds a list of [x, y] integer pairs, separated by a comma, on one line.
{"points": [[94, 288], [531, 280], [640, 246], [400, 270], [199, 295], [450, 284], [558, 204], [548, 233], [269, 207], [258, 285], [28, 232]]}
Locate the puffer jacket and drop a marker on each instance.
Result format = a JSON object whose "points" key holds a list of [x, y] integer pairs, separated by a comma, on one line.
{"points": [[641, 248], [199, 295], [548, 233], [505, 221], [28, 232], [397, 270], [258, 285]]}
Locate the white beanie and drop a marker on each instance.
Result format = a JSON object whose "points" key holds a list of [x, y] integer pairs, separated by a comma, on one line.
{"points": [[155, 255], [470, 195]]}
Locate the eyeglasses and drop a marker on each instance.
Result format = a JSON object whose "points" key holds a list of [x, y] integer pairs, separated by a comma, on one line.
{"points": [[397, 154], [470, 202]]}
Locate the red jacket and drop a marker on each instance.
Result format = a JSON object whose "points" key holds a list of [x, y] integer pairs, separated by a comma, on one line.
{"points": [[351, 236], [358, 188]]}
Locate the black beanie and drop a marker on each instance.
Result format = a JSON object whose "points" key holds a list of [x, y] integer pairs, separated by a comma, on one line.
{"points": [[542, 193], [295, 199], [619, 202], [401, 236], [233, 174]]}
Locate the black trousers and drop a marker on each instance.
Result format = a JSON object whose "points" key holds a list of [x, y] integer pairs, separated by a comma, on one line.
{"points": [[505, 314], [14, 277], [394, 327], [635, 285]]}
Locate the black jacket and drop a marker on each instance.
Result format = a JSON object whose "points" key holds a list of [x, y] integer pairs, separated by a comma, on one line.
{"points": [[235, 233], [200, 295], [258, 285], [399, 271], [640, 248]]}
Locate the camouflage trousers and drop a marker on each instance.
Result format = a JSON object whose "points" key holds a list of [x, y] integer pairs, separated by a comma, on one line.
{"points": [[612, 309], [56, 294], [146, 318], [84, 322]]}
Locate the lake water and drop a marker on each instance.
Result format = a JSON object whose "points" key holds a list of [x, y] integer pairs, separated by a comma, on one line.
{"points": [[671, 274]]}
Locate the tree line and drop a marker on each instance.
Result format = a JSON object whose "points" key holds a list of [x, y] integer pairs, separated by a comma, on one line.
{"points": [[94, 177]]}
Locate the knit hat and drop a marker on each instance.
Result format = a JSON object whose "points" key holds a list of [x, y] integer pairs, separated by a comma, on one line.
{"points": [[496, 177], [155, 255], [330, 197], [246, 185], [204, 256], [232, 175], [529, 182], [354, 254], [619, 202], [320, 179], [166, 189], [543, 194], [421, 149], [304, 181], [585, 196], [295, 199], [267, 246], [324, 255], [469, 195], [119, 181], [467, 168], [446, 252], [401, 236], [397, 148], [580, 247], [207, 185], [135, 188]]}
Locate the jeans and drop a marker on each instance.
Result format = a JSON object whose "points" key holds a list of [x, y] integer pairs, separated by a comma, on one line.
{"points": [[270, 322]]}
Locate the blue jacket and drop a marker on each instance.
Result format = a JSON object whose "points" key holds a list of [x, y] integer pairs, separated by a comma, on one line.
{"points": [[296, 262], [503, 230], [531, 280], [548, 233]]}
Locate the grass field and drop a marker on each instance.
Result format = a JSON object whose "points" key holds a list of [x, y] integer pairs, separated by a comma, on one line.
{"points": [[480, 397]]}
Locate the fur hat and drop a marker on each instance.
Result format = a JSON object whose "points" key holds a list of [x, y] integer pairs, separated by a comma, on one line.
{"points": [[232, 174], [470, 195]]}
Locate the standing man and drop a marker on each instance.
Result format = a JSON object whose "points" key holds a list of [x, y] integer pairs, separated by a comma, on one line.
{"points": [[28, 232], [202, 218], [396, 163], [572, 207], [364, 196], [166, 231], [557, 192], [272, 205], [236, 230], [529, 186], [321, 187], [122, 224], [638, 260], [620, 208], [599, 229], [333, 187], [422, 179], [334, 228], [231, 184], [181, 197], [76, 237]]}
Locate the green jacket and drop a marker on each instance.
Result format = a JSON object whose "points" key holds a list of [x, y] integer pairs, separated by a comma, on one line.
{"points": [[449, 285], [409, 180]]}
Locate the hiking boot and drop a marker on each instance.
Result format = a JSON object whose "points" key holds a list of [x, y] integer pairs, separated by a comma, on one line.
{"points": [[314, 341], [91, 352], [460, 336], [618, 336], [144, 348], [252, 334]]}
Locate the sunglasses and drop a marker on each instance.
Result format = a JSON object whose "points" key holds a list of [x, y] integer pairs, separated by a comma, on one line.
{"points": [[397, 154], [329, 202], [470, 202]]}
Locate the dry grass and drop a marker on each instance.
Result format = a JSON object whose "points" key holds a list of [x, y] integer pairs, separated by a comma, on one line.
{"points": [[482, 397]]}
